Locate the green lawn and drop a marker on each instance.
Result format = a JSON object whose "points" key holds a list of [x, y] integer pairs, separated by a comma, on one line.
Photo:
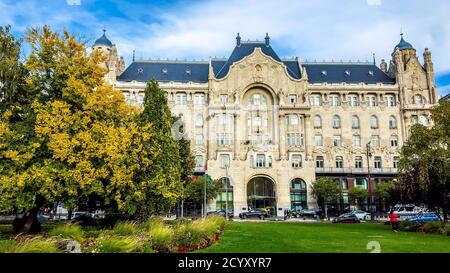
{"points": [[270, 237]]}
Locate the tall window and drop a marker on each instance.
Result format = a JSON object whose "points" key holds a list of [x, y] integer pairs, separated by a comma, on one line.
{"points": [[296, 161], [224, 139], [390, 100], [375, 141], [224, 161], [394, 141], [318, 140], [392, 122], [223, 99], [358, 162], [337, 142], [418, 99], [339, 162], [199, 99], [373, 122], [355, 122], [181, 99], [199, 162], [292, 120], [126, 94], [293, 98], [298, 194], [372, 100], [223, 119], [199, 121], [260, 161], [353, 100], [335, 100], [317, 121], [320, 162], [294, 139], [315, 100], [257, 99], [336, 122], [356, 141], [377, 162], [395, 161], [198, 139], [140, 98]]}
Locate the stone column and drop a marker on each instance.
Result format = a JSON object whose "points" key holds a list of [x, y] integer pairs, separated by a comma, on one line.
{"points": [[282, 140], [307, 136], [211, 136], [237, 136]]}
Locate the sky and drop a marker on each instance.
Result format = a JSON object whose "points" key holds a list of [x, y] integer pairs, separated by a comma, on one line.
{"points": [[318, 30]]}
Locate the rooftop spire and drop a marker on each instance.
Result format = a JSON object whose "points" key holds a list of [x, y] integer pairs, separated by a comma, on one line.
{"points": [[238, 39], [267, 39]]}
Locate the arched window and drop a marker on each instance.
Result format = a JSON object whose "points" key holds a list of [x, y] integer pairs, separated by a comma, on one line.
{"points": [[373, 122], [392, 122], [355, 122], [298, 194], [336, 122], [257, 99], [199, 121], [418, 99], [317, 121]]}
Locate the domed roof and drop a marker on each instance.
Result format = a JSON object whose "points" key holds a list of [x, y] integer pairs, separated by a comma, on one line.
{"points": [[103, 40], [403, 44]]}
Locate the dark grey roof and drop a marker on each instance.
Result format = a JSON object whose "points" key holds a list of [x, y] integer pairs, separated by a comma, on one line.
{"points": [[403, 44], [103, 41], [346, 72], [445, 98], [166, 71]]}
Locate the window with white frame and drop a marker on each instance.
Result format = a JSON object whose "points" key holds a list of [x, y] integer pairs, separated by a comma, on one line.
{"points": [[373, 122], [372, 100], [336, 122], [294, 139], [199, 121], [199, 99], [392, 122], [375, 141], [224, 139], [395, 161], [390, 100], [356, 141], [198, 139], [223, 119], [257, 99], [181, 99], [339, 162], [296, 161], [224, 161], [353, 100], [260, 161], [223, 99], [334, 100], [315, 100], [318, 140], [140, 98], [293, 98], [292, 120], [355, 122], [320, 162], [337, 141], [418, 99], [358, 162], [394, 141], [377, 162], [126, 94], [199, 162], [317, 121]]}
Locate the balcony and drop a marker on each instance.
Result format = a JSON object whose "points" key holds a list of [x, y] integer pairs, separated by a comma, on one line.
{"points": [[392, 171]]}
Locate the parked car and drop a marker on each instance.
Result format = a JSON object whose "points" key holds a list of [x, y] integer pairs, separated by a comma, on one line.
{"points": [[407, 210], [253, 214], [304, 213], [78, 214], [426, 217], [362, 215], [221, 212], [346, 218]]}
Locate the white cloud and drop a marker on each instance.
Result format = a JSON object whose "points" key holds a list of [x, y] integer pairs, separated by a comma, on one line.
{"points": [[373, 2]]}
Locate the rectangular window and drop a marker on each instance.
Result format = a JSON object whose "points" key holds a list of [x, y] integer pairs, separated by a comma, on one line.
{"points": [[260, 161], [318, 140], [294, 139], [339, 162], [337, 141], [315, 100], [140, 98], [181, 99], [198, 140], [223, 99], [199, 100], [372, 101], [390, 100], [293, 98], [356, 141], [335, 100], [375, 141], [292, 120], [358, 162], [223, 119], [353, 100], [345, 184], [224, 161], [395, 162], [394, 141], [296, 161], [377, 162], [199, 162], [320, 162]]}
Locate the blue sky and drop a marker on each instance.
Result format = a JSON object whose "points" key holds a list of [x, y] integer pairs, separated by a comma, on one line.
{"points": [[312, 30]]}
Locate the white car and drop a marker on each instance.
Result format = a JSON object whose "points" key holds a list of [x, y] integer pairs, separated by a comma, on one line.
{"points": [[362, 215]]}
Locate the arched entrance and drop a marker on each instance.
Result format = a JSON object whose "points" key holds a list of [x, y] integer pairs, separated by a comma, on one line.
{"points": [[261, 194], [298, 194]]}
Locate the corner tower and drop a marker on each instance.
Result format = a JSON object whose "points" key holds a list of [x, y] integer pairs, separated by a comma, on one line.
{"points": [[114, 64]]}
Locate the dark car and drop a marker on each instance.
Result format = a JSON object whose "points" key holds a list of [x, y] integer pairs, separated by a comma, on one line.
{"points": [[253, 214], [221, 212], [346, 218], [304, 213]]}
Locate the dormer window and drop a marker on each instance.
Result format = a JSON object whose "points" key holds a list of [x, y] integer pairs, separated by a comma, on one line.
{"points": [[188, 71], [371, 72], [347, 72], [140, 70], [164, 71], [323, 73]]}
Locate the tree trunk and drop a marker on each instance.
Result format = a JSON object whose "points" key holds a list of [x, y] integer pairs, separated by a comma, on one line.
{"points": [[28, 220]]}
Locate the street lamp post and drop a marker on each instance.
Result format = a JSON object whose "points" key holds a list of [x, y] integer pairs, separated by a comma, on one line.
{"points": [[368, 154], [226, 193]]}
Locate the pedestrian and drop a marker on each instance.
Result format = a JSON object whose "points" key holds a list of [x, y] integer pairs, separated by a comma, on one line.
{"points": [[393, 218]]}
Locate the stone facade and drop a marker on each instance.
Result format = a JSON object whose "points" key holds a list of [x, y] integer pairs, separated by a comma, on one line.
{"points": [[273, 128]]}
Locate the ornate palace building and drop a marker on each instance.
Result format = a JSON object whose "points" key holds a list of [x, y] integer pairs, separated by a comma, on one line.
{"points": [[279, 124]]}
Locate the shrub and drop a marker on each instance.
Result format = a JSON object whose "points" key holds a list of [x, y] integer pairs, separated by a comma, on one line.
{"points": [[153, 222], [409, 226], [37, 245], [125, 229], [116, 245], [433, 227], [446, 230], [161, 238], [8, 246], [147, 248], [67, 231]]}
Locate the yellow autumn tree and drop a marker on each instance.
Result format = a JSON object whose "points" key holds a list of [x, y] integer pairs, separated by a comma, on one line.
{"points": [[86, 141]]}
